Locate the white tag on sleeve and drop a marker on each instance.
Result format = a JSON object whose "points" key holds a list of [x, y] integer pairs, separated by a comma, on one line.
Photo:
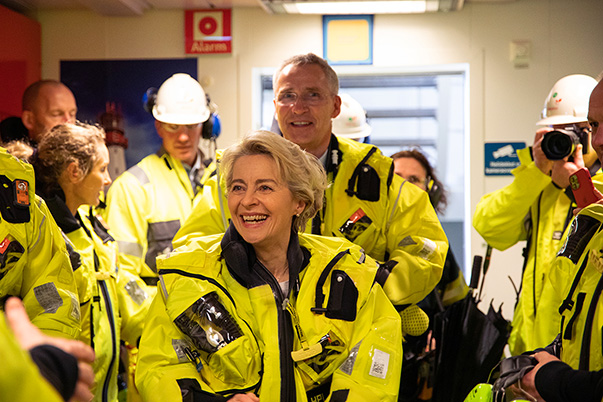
{"points": [[379, 365]]}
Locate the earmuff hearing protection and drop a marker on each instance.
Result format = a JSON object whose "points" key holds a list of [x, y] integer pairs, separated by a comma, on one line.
{"points": [[211, 127], [430, 184], [434, 191], [149, 98]]}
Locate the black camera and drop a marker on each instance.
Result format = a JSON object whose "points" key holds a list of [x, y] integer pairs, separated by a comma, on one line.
{"points": [[559, 143]]}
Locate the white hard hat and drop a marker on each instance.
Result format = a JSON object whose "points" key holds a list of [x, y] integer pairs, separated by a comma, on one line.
{"points": [[181, 100], [351, 121], [567, 102]]}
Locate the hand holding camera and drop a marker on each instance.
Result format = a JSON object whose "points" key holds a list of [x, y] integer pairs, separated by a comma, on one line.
{"points": [[561, 152]]}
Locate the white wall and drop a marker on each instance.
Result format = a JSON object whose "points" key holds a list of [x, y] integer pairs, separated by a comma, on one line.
{"points": [[504, 102]]}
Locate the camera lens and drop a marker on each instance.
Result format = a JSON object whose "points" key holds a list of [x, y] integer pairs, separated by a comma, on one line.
{"points": [[558, 144]]}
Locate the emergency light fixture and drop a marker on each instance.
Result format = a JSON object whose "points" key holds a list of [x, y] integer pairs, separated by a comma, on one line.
{"points": [[346, 7]]}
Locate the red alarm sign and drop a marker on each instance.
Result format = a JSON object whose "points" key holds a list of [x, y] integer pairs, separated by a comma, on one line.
{"points": [[207, 31]]}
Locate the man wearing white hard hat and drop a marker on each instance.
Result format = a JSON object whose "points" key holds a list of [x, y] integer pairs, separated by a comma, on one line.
{"points": [[538, 206], [147, 204], [351, 120]]}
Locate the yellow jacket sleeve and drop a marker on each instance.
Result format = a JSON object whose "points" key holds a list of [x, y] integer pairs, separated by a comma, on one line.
{"points": [[415, 241], [499, 216], [134, 303], [126, 216], [21, 380], [209, 216], [372, 370], [48, 289]]}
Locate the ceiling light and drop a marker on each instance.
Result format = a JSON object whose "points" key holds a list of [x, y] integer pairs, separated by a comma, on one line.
{"points": [[327, 7], [356, 7]]}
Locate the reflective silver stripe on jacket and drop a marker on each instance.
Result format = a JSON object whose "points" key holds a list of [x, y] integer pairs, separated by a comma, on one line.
{"points": [[140, 174], [129, 248]]}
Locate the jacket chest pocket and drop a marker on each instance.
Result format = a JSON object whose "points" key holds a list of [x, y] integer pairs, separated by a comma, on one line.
{"points": [[159, 239], [226, 353], [359, 228]]}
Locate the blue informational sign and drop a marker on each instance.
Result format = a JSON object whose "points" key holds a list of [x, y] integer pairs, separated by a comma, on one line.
{"points": [[501, 157]]}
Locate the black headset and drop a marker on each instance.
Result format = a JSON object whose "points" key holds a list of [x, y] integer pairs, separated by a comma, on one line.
{"points": [[211, 127]]}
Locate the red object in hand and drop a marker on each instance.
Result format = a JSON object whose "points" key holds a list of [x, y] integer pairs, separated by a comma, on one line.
{"points": [[583, 189]]}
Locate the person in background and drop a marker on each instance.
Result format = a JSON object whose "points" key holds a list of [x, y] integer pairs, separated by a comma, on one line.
{"points": [[34, 264], [571, 368], [264, 312], [537, 207], [147, 204], [391, 220], [71, 171], [351, 120], [38, 366], [45, 104], [413, 166]]}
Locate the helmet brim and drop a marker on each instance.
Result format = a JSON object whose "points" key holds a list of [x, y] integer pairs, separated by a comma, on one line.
{"points": [[177, 118], [554, 120]]}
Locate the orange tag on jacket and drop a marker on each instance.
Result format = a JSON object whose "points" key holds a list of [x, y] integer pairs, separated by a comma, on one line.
{"points": [[4, 245], [22, 192]]}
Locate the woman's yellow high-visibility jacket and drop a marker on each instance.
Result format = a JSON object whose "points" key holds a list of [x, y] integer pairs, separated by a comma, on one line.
{"points": [[221, 325]]}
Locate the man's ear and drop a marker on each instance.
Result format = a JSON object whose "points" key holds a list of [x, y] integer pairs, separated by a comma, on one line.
{"points": [[27, 117], [337, 108]]}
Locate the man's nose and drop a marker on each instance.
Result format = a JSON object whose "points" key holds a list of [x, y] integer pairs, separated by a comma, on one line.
{"points": [[68, 118], [183, 134], [299, 105]]}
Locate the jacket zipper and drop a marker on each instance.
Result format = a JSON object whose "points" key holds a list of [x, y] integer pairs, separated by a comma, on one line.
{"points": [[108, 305], [285, 336]]}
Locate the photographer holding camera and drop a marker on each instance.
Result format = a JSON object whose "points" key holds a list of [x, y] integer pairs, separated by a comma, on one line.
{"points": [[538, 206]]}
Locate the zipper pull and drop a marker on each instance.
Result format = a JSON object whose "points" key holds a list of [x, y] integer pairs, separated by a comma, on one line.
{"points": [[307, 351], [195, 358]]}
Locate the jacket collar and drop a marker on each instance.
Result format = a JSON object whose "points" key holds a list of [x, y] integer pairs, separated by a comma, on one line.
{"points": [[61, 214], [244, 266]]}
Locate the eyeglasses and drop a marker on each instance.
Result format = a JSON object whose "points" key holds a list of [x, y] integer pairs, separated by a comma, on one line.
{"points": [[174, 128], [415, 180], [309, 98]]}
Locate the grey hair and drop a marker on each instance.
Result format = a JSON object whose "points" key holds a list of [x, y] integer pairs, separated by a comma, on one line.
{"points": [[310, 59], [302, 172]]}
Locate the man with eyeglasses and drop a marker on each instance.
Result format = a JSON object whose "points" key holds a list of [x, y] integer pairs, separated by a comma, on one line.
{"points": [[366, 203], [147, 204]]}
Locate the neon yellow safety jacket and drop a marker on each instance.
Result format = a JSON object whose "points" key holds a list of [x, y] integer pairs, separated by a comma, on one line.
{"points": [[145, 208], [577, 277], [34, 264], [391, 219], [533, 209], [97, 284], [21, 380], [221, 325]]}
